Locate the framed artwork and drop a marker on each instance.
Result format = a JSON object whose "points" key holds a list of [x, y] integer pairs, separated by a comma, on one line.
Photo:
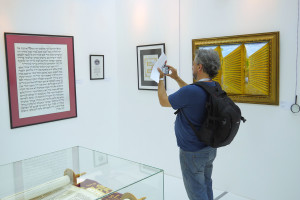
{"points": [[96, 67], [249, 66], [41, 78], [147, 55]]}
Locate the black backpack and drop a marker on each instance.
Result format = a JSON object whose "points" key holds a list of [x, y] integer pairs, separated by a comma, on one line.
{"points": [[223, 117]]}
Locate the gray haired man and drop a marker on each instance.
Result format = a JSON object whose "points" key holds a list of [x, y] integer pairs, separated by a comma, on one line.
{"points": [[196, 158]]}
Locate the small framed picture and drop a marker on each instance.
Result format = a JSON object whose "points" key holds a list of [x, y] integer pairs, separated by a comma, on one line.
{"points": [[147, 55], [96, 67]]}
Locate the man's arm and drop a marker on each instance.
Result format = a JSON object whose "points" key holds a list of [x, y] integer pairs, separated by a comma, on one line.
{"points": [[175, 76], [162, 94], [180, 82]]}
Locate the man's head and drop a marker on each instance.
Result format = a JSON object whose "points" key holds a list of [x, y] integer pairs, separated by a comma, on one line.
{"points": [[206, 61]]}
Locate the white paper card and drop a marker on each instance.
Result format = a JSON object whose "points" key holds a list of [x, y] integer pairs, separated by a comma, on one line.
{"points": [[43, 79], [159, 64]]}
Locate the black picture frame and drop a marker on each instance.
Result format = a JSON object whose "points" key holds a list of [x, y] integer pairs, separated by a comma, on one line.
{"points": [[97, 67], [150, 52]]}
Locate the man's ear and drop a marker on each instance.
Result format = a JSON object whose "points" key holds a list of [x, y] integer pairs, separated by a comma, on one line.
{"points": [[200, 67]]}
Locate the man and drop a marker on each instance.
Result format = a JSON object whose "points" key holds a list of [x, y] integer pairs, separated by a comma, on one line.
{"points": [[196, 158]]}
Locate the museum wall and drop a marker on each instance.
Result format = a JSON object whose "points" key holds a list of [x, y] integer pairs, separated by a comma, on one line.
{"points": [[117, 118], [143, 124], [93, 26], [262, 162]]}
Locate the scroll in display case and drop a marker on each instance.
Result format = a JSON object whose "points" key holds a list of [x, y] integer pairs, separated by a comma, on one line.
{"points": [[80, 173]]}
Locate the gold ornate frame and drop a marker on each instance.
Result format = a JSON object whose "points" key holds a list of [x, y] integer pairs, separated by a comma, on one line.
{"points": [[249, 66]]}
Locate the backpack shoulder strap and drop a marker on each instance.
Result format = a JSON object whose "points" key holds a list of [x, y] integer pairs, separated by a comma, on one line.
{"points": [[212, 90], [190, 123]]}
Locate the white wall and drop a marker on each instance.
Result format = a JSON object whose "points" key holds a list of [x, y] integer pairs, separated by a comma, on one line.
{"points": [[94, 29], [262, 162], [115, 117], [146, 129]]}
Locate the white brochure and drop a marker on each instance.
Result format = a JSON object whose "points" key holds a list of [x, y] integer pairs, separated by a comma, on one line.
{"points": [[159, 64]]}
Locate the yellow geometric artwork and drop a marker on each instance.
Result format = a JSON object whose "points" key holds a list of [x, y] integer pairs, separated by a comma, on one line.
{"points": [[149, 61], [249, 70], [257, 72]]}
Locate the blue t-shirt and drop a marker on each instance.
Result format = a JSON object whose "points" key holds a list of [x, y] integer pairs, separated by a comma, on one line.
{"points": [[191, 99]]}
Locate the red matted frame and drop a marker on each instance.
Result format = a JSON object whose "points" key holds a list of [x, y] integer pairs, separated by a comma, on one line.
{"points": [[10, 40]]}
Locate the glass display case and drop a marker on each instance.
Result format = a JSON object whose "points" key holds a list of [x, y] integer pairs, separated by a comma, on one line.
{"points": [[79, 173]]}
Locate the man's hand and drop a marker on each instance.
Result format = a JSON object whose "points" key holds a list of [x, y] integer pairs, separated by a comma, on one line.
{"points": [[162, 95], [174, 74], [161, 74]]}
